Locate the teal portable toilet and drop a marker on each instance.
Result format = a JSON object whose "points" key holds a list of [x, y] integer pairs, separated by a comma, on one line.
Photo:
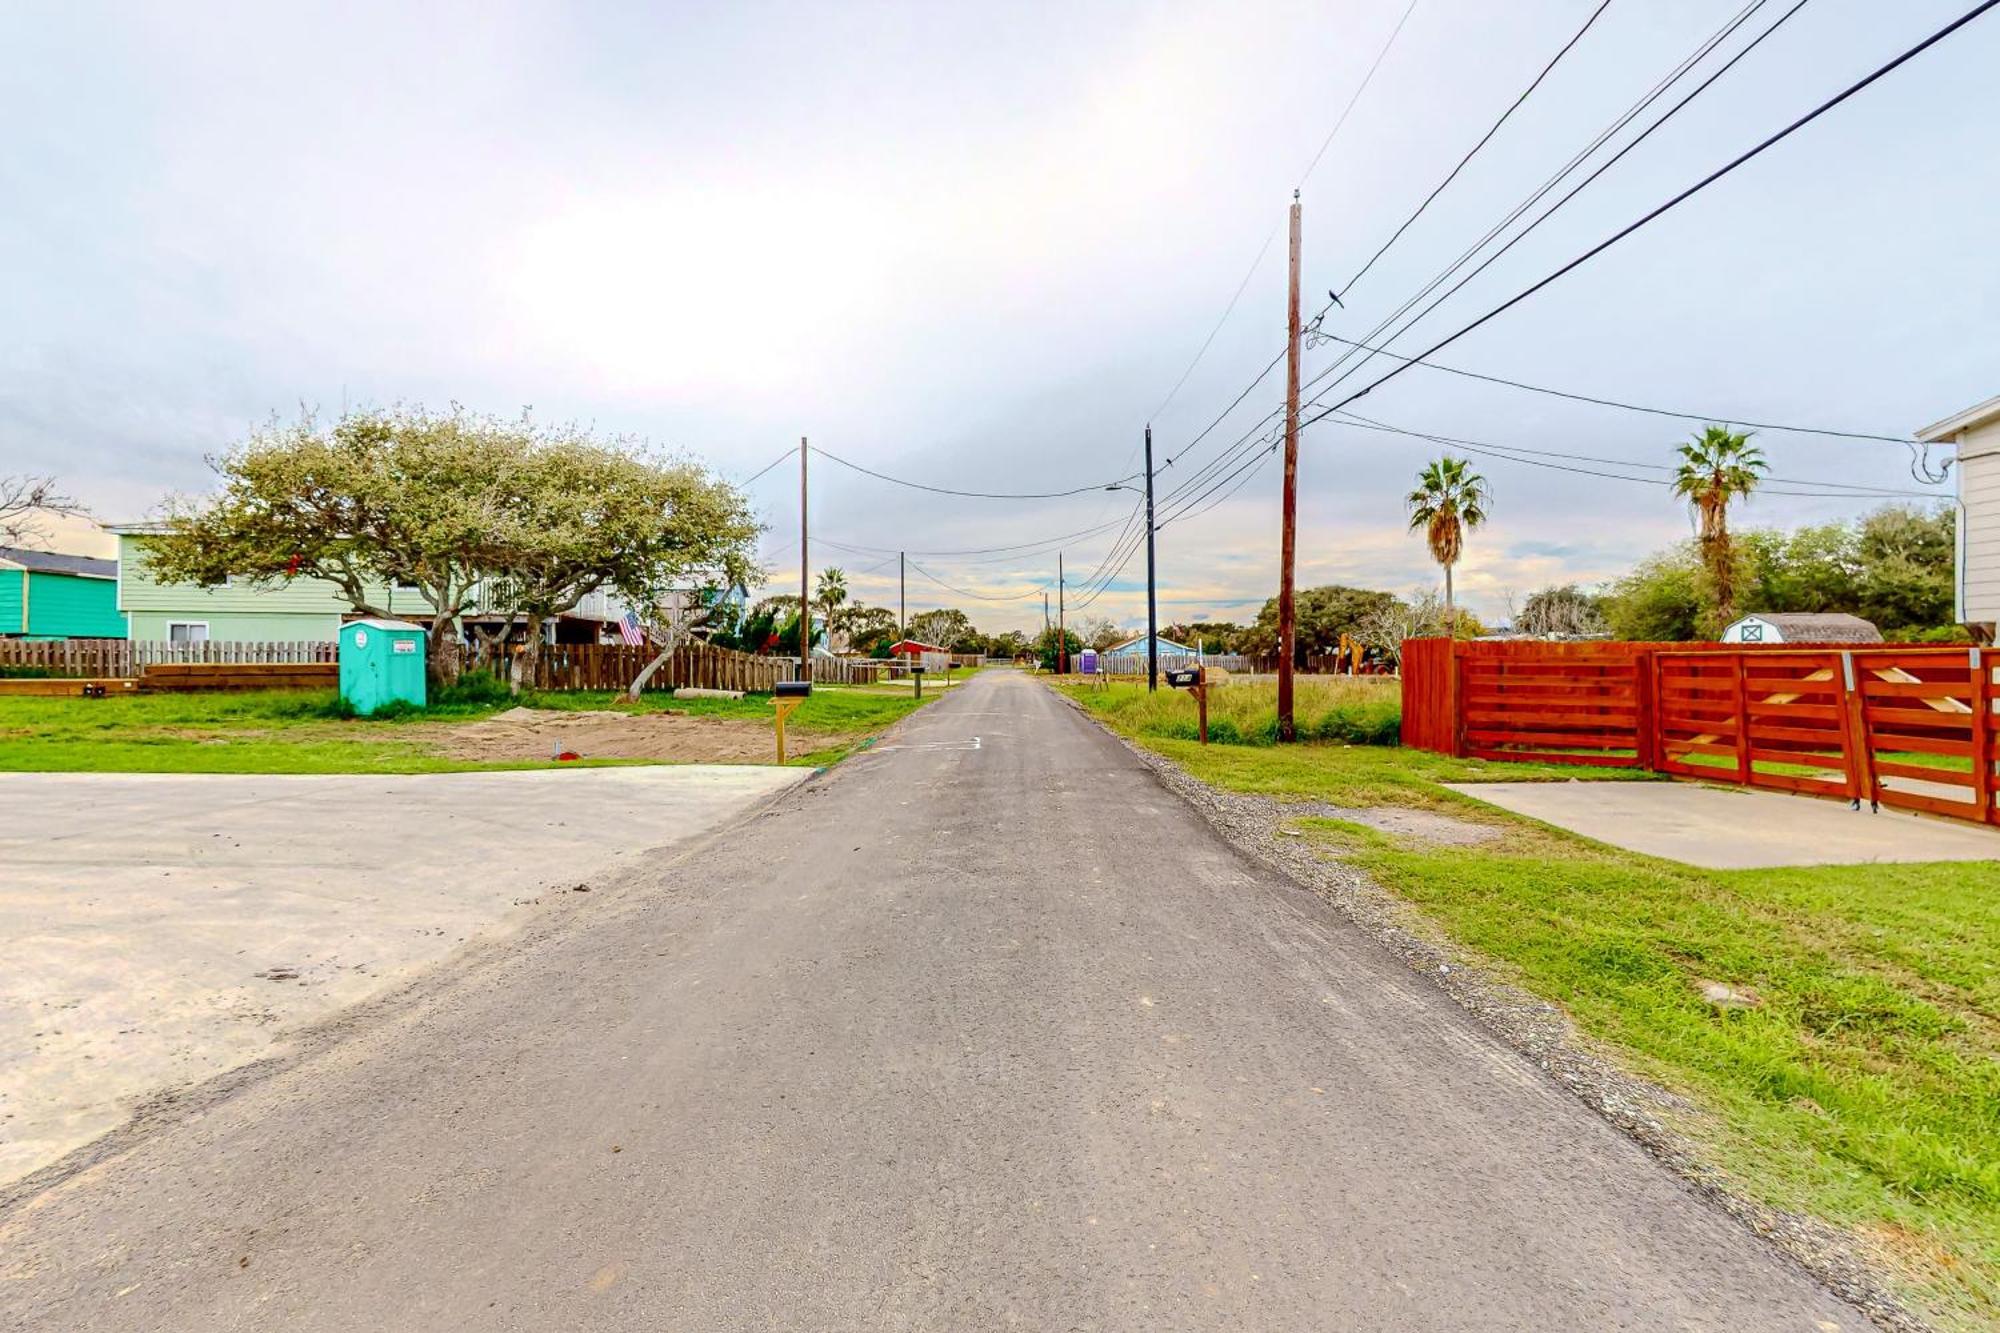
{"points": [[381, 661]]}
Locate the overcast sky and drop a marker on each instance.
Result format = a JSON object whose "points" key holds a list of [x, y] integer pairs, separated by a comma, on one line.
{"points": [[975, 246]]}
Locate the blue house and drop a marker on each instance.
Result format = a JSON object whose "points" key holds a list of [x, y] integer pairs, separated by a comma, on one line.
{"points": [[1168, 648]]}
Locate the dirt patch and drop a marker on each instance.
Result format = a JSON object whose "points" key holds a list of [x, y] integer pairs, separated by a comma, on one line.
{"points": [[1417, 825], [532, 733]]}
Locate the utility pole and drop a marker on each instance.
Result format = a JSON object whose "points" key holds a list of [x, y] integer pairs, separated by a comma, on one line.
{"points": [[1152, 579], [1062, 630], [1288, 629], [805, 586], [902, 597]]}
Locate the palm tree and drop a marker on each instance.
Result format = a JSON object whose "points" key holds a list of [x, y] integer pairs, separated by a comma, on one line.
{"points": [[1450, 501], [1718, 466], [829, 595]]}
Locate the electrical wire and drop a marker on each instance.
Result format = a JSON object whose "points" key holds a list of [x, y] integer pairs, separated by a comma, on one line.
{"points": [[1227, 311], [1348, 110], [1484, 139], [1673, 76], [1575, 190], [979, 596], [1722, 417], [1719, 173], [773, 463], [974, 495]]}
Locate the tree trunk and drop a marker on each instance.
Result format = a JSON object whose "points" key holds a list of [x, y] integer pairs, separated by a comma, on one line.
{"points": [[445, 658], [1450, 612], [639, 682], [530, 656]]}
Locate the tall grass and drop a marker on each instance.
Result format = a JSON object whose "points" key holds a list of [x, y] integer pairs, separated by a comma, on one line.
{"points": [[1354, 710]]}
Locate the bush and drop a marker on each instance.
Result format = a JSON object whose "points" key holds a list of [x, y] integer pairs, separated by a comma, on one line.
{"points": [[23, 673], [480, 689]]}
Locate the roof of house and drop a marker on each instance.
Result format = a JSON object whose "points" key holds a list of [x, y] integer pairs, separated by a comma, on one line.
{"points": [[1820, 626], [1970, 419], [1137, 644], [912, 647], [49, 562]]}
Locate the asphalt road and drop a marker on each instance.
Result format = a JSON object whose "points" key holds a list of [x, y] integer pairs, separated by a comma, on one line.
{"points": [[983, 1030]]}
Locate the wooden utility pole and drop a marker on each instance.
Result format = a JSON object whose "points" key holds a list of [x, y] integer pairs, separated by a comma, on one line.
{"points": [[805, 584], [1062, 630], [1152, 579], [1288, 629], [902, 597]]}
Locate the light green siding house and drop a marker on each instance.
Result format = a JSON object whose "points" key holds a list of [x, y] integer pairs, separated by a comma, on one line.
{"points": [[291, 611], [48, 596]]}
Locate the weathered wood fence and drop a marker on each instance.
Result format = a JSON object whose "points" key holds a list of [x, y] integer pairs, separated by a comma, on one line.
{"points": [[1910, 727], [111, 658], [614, 666]]}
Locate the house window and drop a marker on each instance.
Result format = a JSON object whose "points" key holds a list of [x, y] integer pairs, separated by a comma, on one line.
{"points": [[187, 631]]}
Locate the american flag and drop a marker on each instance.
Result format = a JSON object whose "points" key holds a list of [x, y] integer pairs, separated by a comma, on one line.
{"points": [[629, 631]]}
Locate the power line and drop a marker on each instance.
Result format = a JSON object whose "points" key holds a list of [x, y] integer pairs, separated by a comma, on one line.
{"points": [[1227, 311], [1485, 138], [974, 495], [1366, 79], [1722, 417], [1575, 190], [1603, 136], [978, 596], [1024, 547], [1688, 193], [1825, 490], [773, 463]]}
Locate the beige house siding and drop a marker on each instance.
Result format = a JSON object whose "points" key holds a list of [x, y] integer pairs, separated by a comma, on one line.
{"points": [[1979, 491]]}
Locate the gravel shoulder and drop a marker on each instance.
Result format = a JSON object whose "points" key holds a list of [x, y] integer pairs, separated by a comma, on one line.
{"points": [[1664, 1124]]}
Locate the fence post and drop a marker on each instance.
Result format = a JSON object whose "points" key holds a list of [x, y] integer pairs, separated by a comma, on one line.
{"points": [[1861, 752], [1982, 733], [1455, 696], [1743, 718], [1645, 714]]}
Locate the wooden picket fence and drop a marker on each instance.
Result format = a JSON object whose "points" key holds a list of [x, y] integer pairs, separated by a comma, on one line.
{"points": [[1910, 727], [614, 666], [112, 658], [843, 670]]}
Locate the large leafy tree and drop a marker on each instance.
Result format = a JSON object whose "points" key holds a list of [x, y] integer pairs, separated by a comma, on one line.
{"points": [[868, 629], [947, 627], [585, 516], [1717, 468], [1449, 501], [400, 497], [829, 595], [1323, 614]]}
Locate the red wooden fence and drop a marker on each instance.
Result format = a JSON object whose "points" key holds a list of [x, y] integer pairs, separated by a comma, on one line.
{"points": [[1901, 726]]}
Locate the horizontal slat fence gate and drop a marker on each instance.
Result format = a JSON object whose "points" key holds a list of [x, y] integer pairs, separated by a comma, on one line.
{"points": [[1569, 703], [110, 658], [1908, 727], [845, 670]]}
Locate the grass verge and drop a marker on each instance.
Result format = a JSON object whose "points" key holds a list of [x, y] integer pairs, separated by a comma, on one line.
{"points": [[280, 731], [1857, 1081]]}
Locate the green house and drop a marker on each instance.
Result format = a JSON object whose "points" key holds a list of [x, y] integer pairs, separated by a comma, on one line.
{"points": [[44, 595], [239, 611]]}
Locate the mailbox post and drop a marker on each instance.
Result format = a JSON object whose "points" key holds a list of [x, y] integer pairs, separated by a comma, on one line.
{"points": [[785, 698], [1195, 681], [917, 676]]}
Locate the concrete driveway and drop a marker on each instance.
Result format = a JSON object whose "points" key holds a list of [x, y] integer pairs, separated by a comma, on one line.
{"points": [[1733, 829], [163, 928]]}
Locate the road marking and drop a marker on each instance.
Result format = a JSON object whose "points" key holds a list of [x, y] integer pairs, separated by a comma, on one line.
{"points": [[965, 744]]}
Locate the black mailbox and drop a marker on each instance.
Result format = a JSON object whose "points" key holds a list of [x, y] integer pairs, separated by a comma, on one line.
{"points": [[1184, 680], [916, 671], [793, 689]]}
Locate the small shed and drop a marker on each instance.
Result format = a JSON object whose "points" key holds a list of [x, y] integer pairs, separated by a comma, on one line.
{"points": [[381, 662], [915, 648], [1802, 627]]}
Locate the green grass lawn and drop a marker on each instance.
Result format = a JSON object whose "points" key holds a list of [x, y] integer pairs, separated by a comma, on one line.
{"points": [[1863, 1086], [301, 731]]}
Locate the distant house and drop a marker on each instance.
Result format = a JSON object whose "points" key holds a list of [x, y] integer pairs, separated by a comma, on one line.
{"points": [[1802, 627], [44, 595], [1168, 648], [1975, 436]]}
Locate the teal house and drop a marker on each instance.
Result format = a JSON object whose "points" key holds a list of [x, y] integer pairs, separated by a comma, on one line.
{"points": [[44, 595]]}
